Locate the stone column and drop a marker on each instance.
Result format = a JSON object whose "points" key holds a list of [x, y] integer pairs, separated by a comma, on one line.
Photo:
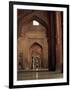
{"points": [[52, 61], [59, 59]]}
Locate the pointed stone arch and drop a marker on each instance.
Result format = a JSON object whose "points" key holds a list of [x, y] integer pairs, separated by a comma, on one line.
{"points": [[30, 17], [36, 53]]}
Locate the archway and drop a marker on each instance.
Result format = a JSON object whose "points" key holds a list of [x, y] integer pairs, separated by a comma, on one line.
{"points": [[36, 56]]}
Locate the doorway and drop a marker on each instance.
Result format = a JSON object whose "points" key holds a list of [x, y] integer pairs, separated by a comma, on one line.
{"points": [[36, 56]]}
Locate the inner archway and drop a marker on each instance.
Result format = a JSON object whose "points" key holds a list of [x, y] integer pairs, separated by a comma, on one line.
{"points": [[36, 52]]}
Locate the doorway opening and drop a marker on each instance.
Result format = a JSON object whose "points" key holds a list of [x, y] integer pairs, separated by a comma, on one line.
{"points": [[36, 56]]}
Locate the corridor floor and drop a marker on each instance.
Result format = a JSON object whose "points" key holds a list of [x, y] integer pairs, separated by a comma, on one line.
{"points": [[35, 75]]}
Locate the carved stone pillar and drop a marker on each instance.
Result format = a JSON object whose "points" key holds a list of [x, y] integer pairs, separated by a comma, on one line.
{"points": [[59, 60]]}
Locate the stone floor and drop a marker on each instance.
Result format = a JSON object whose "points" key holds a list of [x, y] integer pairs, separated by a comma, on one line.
{"points": [[33, 75]]}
